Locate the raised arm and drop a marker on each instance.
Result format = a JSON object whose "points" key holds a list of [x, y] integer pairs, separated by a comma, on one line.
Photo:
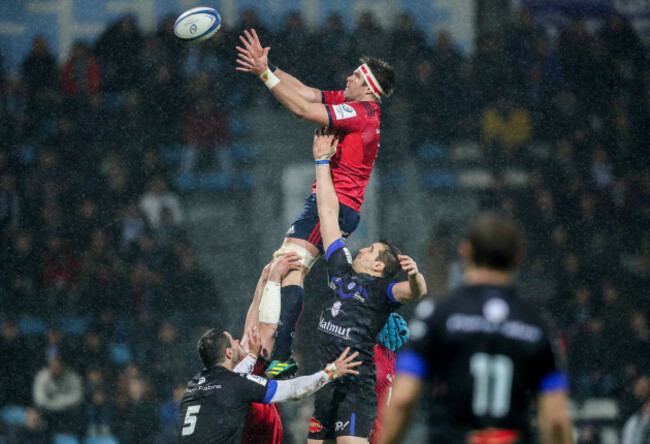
{"points": [[304, 102], [252, 43], [415, 287], [328, 202]]}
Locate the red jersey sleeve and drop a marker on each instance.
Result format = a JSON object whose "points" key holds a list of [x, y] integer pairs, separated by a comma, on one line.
{"points": [[332, 97], [349, 117]]}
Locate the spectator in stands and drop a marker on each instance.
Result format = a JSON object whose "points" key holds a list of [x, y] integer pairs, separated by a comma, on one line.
{"points": [[134, 419], [92, 354], [103, 273], [118, 50], [21, 275], [61, 271], [368, 37], [205, 136], [506, 130], [191, 286], [169, 413], [11, 204], [39, 68], [637, 428], [58, 394], [81, 74], [98, 409], [17, 366], [156, 199], [168, 358]]}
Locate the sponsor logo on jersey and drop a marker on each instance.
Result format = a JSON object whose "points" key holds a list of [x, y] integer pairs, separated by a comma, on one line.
{"points": [[462, 323], [340, 425], [201, 380], [334, 330], [496, 310], [336, 308], [315, 426], [257, 379], [292, 230], [344, 111]]}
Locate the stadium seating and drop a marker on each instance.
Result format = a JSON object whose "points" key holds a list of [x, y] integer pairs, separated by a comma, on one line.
{"points": [[31, 326], [120, 354], [100, 440], [64, 439], [13, 415]]}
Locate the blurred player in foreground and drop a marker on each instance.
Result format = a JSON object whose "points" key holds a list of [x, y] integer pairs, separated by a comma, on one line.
{"points": [[360, 302], [216, 399], [486, 352], [355, 115]]}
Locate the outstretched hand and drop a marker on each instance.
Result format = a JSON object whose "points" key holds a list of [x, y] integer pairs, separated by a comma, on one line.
{"points": [[252, 57], [344, 364], [325, 144], [408, 265]]}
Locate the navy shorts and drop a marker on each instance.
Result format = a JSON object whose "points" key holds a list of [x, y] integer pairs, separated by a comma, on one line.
{"points": [[344, 408], [307, 224]]}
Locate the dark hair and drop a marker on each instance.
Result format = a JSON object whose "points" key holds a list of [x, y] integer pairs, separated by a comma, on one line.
{"points": [[497, 241], [212, 347], [383, 72], [389, 257]]}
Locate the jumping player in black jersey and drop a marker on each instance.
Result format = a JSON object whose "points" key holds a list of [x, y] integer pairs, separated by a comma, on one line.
{"points": [[216, 400], [361, 300], [486, 352]]}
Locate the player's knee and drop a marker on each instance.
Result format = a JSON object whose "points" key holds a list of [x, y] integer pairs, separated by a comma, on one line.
{"points": [[307, 260]]}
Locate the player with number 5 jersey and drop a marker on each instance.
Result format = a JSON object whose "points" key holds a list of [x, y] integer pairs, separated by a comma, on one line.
{"points": [[486, 351]]}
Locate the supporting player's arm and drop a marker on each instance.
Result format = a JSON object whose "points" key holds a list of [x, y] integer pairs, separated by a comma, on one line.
{"points": [[554, 423], [250, 347], [397, 415], [328, 203], [270, 303], [415, 287], [297, 388], [302, 102]]}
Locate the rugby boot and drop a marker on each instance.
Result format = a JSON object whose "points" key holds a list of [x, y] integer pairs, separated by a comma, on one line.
{"points": [[282, 369]]}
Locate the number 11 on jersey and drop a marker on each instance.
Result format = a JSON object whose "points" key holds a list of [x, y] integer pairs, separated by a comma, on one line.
{"points": [[492, 384]]}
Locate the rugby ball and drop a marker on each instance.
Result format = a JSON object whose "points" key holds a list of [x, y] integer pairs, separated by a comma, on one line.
{"points": [[197, 24]]}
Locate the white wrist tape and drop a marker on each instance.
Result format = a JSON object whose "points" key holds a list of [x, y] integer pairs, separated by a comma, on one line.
{"points": [[269, 79], [331, 369], [271, 303]]}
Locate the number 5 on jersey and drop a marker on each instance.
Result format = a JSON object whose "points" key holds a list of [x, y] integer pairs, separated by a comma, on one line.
{"points": [[190, 419]]}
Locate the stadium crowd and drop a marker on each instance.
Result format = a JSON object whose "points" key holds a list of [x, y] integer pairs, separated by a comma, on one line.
{"points": [[91, 229]]}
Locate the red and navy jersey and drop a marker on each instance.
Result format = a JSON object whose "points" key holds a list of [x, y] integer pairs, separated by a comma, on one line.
{"points": [[385, 365], [263, 421], [487, 354], [357, 124]]}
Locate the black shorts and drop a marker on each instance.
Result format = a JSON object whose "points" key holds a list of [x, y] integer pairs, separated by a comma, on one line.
{"points": [[344, 408], [307, 224]]}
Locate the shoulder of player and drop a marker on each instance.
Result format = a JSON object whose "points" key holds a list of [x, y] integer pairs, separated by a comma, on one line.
{"points": [[366, 108]]}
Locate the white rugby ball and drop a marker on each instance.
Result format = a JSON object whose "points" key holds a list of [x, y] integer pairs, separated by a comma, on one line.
{"points": [[197, 24]]}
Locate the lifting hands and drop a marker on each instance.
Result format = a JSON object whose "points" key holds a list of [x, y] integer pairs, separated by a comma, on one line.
{"points": [[325, 144]]}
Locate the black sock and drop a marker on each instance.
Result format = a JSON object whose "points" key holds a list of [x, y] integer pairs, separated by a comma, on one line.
{"points": [[292, 302]]}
